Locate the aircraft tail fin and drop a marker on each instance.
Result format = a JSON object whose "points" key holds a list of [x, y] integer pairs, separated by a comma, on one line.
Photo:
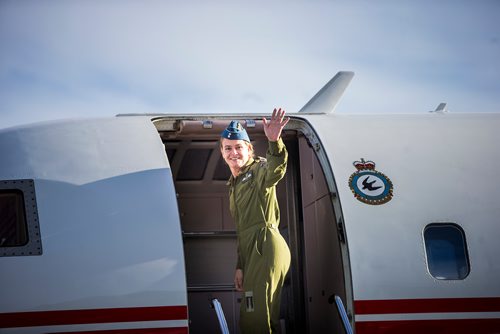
{"points": [[329, 96]]}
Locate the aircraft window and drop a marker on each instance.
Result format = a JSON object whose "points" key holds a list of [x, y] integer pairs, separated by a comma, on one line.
{"points": [[222, 171], [19, 228], [13, 223], [446, 251], [193, 164]]}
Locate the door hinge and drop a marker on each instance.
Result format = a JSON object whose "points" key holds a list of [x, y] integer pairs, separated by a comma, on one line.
{"points": [[312, 140], [341, 230]]}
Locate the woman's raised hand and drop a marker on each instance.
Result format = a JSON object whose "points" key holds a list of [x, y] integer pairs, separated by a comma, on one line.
{"points": [[273, 127]]}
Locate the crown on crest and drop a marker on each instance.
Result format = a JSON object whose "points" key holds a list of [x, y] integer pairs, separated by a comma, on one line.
{"points": [[361, 165]]}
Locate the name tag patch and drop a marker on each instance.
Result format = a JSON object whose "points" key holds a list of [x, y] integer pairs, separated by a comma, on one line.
{"points": [[246, 177]]}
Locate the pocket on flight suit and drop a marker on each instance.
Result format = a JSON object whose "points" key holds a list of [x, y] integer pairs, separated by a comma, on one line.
{"points": [[260, 240]]}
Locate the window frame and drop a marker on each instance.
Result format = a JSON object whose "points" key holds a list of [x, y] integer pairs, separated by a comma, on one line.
{"points": [[34, 243], [464, 245]]}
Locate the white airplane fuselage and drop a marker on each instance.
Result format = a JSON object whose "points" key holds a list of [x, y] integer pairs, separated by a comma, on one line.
{"points": [[122, 224]]}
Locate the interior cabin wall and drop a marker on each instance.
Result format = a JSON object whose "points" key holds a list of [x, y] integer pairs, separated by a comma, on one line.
{"points": [[307, 223], [208, 232]]}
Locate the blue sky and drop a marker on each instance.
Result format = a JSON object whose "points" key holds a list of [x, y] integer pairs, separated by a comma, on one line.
{"points": [[98, 58]]}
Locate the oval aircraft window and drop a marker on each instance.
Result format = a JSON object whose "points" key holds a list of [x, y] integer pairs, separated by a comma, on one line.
{"points": [[446, 251]]}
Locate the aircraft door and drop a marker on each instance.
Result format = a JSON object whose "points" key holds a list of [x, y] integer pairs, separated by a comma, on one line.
{"points": [[322, 262], [108, 218]]}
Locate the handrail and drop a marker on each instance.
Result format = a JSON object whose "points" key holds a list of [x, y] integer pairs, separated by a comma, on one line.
{"points": [[220, 316], [343, 315]]}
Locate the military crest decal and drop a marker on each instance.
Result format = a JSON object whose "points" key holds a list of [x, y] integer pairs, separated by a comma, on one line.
{"points": [[368, 185]]}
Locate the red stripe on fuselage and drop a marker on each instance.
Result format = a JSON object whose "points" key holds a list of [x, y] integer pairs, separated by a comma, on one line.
{"points": [[91, 316], [169, 330], [432, 305], [455, 326]]}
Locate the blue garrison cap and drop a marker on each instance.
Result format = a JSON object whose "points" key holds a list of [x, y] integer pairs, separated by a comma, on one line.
{"points": [[235, 131]]}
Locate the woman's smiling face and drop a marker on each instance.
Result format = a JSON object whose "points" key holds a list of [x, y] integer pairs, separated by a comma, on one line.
{"points": [[236, 153]]}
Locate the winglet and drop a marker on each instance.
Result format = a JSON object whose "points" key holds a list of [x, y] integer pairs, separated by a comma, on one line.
{"points": [[329, 96]]}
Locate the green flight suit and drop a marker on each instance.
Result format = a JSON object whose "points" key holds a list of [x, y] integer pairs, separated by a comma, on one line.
{"points": [[263, 254]]}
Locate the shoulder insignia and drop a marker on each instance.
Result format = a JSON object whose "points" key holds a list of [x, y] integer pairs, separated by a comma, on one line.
{"points": [[263, 162], [368, 185]]}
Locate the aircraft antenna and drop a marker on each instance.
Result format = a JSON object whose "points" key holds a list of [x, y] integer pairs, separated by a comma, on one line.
{"points": [[441, 107]]}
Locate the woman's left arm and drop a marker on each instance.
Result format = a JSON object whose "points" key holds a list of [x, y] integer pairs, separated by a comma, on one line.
{"points": [[276, 154]]}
